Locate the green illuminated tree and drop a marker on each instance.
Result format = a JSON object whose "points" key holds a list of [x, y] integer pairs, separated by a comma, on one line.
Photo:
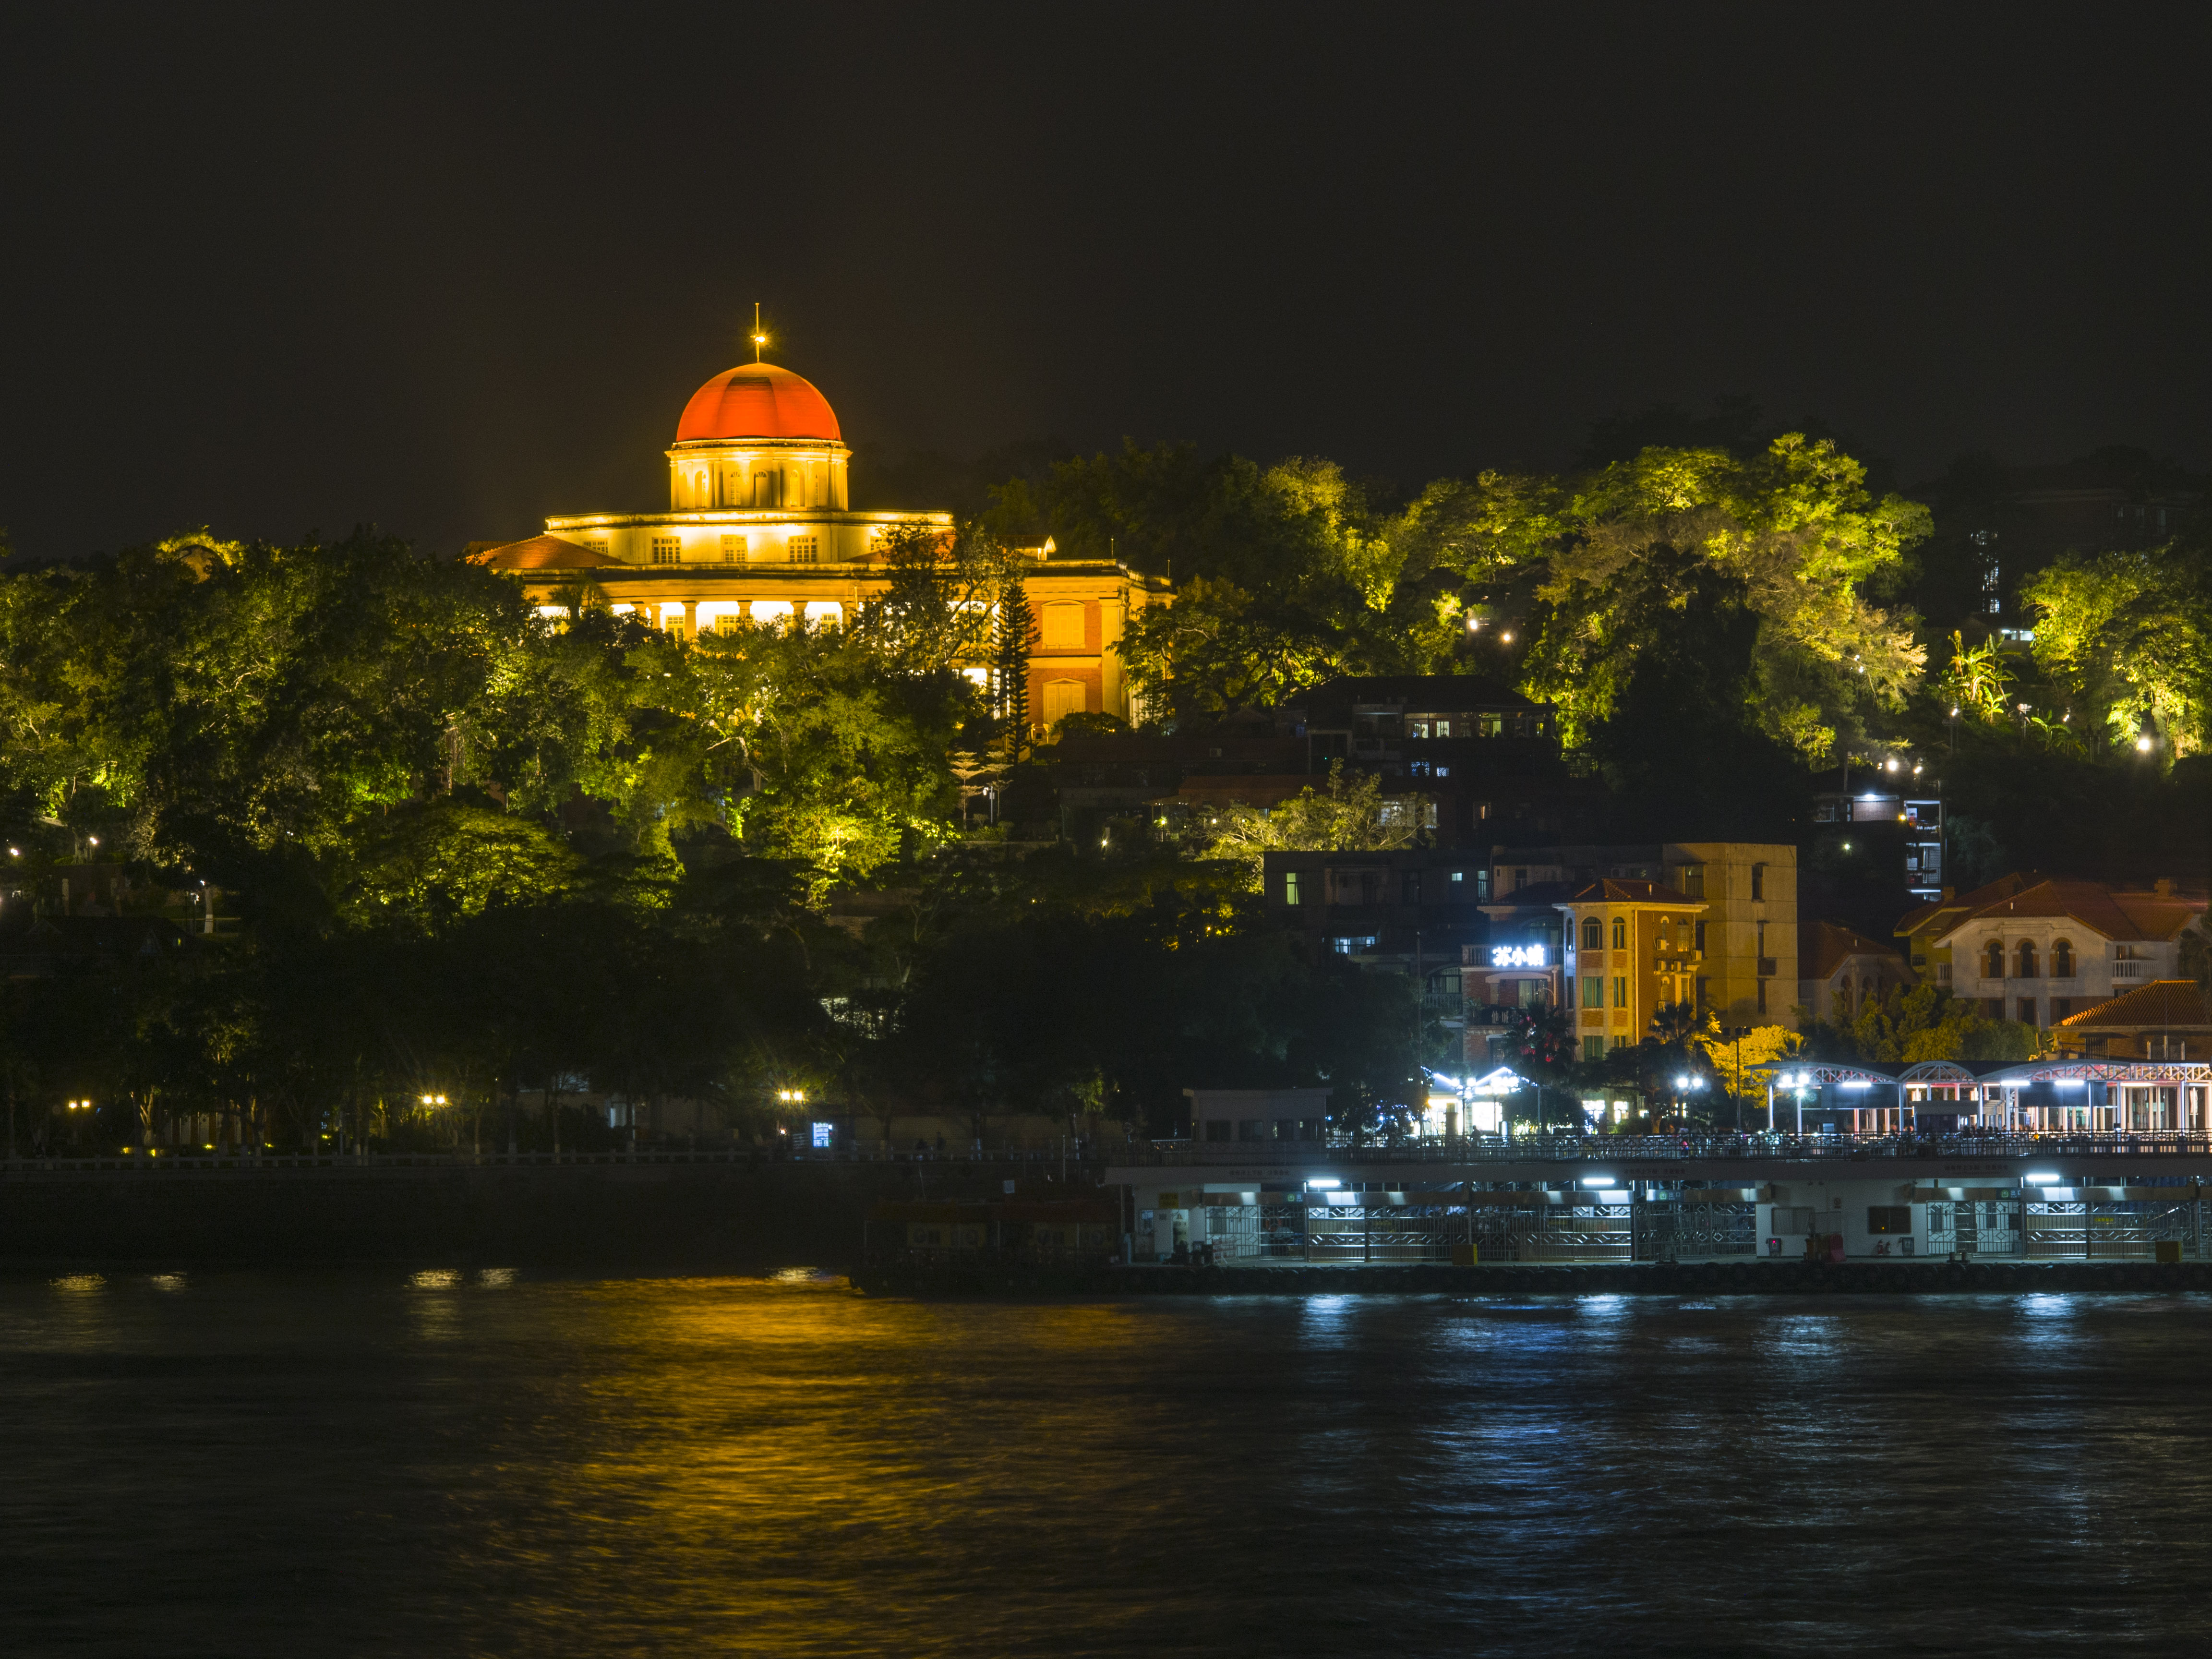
{"points": [[1619, 566], [2131, 634], [1284, 576], [1352, 816]]}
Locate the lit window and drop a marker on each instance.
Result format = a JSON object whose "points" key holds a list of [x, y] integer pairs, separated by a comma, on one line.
{"points": [[667, 549], [1290, 888], [803, 549], [1061, 627], [733, 549]]}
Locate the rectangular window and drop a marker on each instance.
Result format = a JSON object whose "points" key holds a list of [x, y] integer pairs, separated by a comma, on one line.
{"points": [[1409, 888], [1061, 626], [1758, 882], [803, 549], [733, 549], [2027, 1011], [1593, 991], [2061, 1008], [1705, 992], [1251, 1128], [1889, 1218], [1218, 1129], [1762, 996], [1690, 880], [1620, 990], [1700, 943], [1291, 887], [1593, 1047], [667, 549]]}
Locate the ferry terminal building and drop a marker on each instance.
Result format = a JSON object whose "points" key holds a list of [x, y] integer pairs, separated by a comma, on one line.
{"points": [[759, 530]]}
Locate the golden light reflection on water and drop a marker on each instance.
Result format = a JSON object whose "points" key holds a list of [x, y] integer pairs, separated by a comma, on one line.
{"points": [[485, 1464]]}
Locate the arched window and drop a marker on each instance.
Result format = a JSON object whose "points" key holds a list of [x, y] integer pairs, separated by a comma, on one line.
{"points": [[2061, 958], [2023, 961], [1593, 934], [1993, 961], [1620, 933]]}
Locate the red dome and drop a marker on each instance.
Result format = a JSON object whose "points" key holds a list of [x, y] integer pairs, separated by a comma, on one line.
{"points": [[759, 400]]}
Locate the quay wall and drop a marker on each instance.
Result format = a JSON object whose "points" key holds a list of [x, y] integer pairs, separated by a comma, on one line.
{"points": [[726, 1217], [1760, 1278]]}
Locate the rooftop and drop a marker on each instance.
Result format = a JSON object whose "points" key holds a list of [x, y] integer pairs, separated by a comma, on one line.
{"points": [[2163, 1002], [1824, 946]]}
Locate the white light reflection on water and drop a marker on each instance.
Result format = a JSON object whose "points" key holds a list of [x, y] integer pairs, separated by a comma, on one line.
{"points": [[717, 1466]]}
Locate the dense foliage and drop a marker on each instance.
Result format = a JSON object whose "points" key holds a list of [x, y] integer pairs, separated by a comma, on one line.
{"points": [[463, 851]]}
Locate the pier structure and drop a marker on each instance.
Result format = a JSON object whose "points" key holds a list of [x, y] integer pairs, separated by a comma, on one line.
{"points": [[1985, 1183]]}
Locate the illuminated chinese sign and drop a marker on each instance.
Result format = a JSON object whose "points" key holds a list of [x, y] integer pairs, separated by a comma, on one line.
{"points": [[1517, 956]]}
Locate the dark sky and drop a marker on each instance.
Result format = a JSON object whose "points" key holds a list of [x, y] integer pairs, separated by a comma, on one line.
{"points": [[450, 268]]}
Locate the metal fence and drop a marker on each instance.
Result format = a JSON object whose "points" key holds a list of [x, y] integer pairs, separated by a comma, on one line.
{"points": [[182, 1165], [1502, 1227], [1607, 1149], [2114, 1230]]}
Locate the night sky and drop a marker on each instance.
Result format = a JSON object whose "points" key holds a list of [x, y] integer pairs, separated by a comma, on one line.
{"points": [[450, 268]]}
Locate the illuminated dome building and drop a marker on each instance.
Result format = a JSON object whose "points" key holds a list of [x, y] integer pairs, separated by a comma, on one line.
{"points": [[758, 528]]}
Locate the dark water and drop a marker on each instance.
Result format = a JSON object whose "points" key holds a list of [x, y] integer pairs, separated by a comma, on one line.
{"points": [[249, 1465]]}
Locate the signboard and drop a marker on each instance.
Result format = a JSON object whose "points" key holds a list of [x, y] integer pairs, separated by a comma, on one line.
{"points": [[1517, 956]]}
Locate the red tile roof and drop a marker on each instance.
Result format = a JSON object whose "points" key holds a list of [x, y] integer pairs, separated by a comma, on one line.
{"points": [[2003, 887], [1823, 947], [2177, 1002], [1627, 892], [2094, 904], [543, 553]]}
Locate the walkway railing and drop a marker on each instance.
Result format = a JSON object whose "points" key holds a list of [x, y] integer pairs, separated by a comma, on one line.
{"points": [[190, 1164], [1671, 1149]]}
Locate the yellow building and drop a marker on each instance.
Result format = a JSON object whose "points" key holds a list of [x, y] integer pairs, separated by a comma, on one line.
{"points": [[758, 529], [1631, 950]]}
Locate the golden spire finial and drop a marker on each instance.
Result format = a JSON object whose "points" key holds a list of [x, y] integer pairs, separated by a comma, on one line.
{"points": [[759, 338]]}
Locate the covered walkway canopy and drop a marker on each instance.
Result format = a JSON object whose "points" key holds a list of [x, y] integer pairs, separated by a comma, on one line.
{"points": [[2055, 1095]]}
